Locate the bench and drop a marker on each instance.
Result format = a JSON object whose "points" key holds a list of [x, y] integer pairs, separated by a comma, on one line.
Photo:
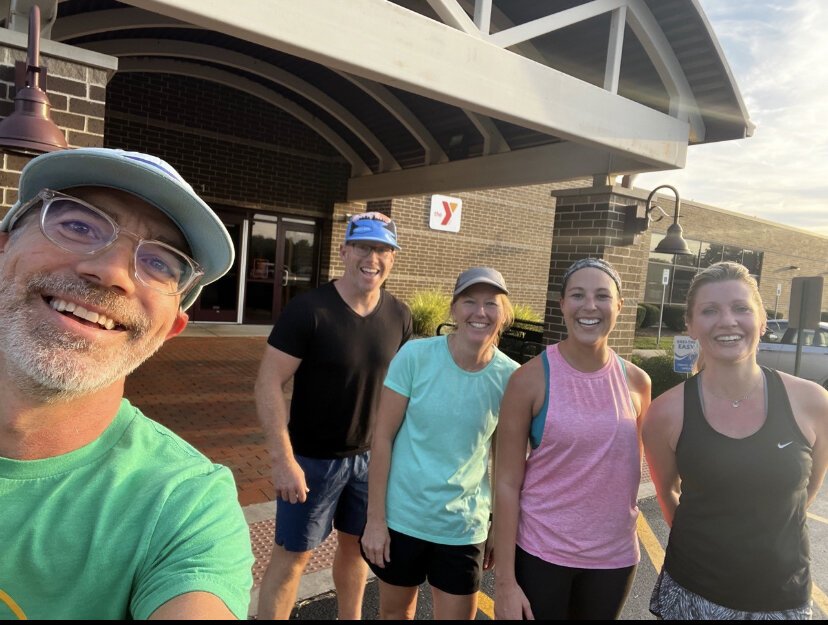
{"points": [[521, 341]]}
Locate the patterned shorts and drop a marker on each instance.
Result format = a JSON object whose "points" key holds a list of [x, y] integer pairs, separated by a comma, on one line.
{"points": [[672, 602]]}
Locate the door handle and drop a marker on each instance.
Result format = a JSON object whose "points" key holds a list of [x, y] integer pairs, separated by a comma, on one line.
{"points": [[285, 277]]}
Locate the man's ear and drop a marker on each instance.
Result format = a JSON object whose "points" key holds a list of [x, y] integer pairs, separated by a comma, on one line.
{"points": [[181, 319]]}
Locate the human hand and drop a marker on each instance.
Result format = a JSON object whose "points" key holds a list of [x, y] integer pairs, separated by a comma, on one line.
{"points": [[376, 543], [488, 552], [289, 481], [510, 603]]}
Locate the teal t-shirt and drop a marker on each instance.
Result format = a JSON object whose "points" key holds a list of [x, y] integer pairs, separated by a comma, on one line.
{"points": [[438, 485], [120, 526]]}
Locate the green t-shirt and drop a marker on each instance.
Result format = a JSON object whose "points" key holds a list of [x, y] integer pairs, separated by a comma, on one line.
{"points": [[438, 485], [118, 527]]}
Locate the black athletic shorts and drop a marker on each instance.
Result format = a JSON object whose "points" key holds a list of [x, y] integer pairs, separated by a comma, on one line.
{"points": [[454, 569]]}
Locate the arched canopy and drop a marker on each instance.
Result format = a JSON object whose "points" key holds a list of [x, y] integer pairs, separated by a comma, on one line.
{"points": [[447, 95]]}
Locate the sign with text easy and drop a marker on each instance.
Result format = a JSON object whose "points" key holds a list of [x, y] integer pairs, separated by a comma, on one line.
{"points": [[445, 213], [685, 354]]}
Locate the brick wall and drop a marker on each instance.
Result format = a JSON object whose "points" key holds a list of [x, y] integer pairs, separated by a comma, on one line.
{"points": [[234, 149], [590, 223], [239, 151], [77, 94], [783, 246]]}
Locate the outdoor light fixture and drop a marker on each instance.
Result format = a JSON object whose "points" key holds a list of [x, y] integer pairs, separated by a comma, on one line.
{"points": [[673, 242], [29, 129]]}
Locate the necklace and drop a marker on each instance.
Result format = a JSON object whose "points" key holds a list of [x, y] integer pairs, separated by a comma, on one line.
{"points": [[735, 403]]}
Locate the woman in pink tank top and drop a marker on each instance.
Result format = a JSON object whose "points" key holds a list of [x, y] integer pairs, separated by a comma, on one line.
{"points": [[565, 515]]}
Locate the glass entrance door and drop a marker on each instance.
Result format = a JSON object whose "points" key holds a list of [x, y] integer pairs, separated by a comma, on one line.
{"points": [[282, 261], [219, 301], [299, 258]]}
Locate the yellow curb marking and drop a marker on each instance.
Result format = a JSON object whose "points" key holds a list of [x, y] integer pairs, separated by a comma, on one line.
{"points": [[650, 542], [485, 604], [653, 548], [820, 599], [816, 517]]}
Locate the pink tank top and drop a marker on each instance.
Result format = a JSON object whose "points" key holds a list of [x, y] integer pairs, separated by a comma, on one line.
{"points": [[578, 501]]}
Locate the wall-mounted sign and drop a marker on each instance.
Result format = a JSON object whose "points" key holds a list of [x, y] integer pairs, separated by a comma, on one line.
{"points": [[445, 213], [685, 354]]}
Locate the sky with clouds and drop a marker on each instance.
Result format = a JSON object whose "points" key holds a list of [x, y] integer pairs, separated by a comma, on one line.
{"points": [[778, 54]]}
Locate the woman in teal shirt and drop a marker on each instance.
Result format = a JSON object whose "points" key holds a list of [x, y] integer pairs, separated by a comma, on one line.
{"points": [[429, 497]]}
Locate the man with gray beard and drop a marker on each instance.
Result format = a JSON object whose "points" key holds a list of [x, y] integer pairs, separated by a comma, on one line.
{"points": [[105, 513]]}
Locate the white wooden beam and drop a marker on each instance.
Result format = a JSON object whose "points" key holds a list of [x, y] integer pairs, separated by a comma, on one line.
{"points": [[682, 101], [212, 74], [93, 22], [381, 41], [559, 161], [493, 141], [222, 56], [499, 21], [555, 21], [614, 48], [483, 15], [453, 15], [391, 103]]}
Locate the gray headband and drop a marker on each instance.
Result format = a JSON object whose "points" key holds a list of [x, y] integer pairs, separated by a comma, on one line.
{"points": [[595, 263]]}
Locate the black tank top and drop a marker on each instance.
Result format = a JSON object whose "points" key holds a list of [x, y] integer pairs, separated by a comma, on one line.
{"points": [[739, 537]]}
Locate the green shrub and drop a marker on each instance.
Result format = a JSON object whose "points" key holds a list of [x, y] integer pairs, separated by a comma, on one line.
{"points": [[660, 370], [651, 317], [527, 313], [823, 316], [778, 315], [640, 314], [674, 317], [428, 310]]}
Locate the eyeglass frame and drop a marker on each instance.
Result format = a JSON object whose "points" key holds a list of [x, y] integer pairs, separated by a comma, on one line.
{"points": [[47, 196], [386, 251]]}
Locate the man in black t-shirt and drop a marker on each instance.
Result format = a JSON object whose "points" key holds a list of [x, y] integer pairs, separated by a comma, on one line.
{"points": [[336, 343]]}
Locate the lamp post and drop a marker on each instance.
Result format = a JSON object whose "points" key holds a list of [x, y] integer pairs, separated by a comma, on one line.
{"points": [[29, 129], [673, 242]]}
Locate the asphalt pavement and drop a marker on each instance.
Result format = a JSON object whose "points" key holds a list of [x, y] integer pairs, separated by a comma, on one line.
{"points": [[652, 532]]}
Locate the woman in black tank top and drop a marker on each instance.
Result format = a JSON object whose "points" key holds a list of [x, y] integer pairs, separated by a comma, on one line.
{"points": [[737, 453]]}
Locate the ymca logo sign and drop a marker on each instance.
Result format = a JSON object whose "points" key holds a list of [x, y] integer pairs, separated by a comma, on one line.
{"points": [[445, 213]]}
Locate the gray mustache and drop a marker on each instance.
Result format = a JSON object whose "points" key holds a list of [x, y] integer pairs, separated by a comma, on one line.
{"points": [[117, 307]]}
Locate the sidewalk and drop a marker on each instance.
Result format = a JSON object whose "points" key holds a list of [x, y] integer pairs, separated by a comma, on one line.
{"points": [[200, 385]]}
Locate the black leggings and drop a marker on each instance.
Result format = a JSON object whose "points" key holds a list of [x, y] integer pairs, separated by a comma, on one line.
{"points": [[560, 592]]}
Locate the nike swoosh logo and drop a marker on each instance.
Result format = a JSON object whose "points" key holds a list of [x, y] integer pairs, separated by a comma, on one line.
{"points": [[783, 445]]}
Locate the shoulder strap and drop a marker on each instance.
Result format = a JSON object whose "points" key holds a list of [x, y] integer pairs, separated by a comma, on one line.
{"points": [[538, 423], [623, 364], [779, 404]]}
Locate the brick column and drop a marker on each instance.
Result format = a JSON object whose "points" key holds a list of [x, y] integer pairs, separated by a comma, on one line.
{"points": [[589, 223], [76, 85]]}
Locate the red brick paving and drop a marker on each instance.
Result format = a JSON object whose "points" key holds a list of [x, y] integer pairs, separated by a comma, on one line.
{"points": [[202, 389]]}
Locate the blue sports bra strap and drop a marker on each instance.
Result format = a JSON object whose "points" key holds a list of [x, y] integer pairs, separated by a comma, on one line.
{"points": [[538, 422], [623, 364]]}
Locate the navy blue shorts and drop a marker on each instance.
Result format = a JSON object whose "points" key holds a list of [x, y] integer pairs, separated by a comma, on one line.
{"points": [[338, 498], [454, 569]]}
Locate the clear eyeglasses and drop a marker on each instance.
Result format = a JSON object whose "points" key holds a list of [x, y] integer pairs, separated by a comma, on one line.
{"points": [[363, 250], [77, 226]]}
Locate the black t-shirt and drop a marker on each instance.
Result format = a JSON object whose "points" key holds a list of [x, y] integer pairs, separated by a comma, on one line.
{"points": [[345, 358]]}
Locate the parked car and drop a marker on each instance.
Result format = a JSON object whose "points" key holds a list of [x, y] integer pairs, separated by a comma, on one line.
{"points": [[782, 355], [776, 328]]}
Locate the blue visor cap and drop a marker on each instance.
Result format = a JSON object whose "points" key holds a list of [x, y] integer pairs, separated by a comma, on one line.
{"points": [[372, 230]]}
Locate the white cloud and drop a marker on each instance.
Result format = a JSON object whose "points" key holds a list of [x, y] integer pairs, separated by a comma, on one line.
{"points": [[778, 54]]}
